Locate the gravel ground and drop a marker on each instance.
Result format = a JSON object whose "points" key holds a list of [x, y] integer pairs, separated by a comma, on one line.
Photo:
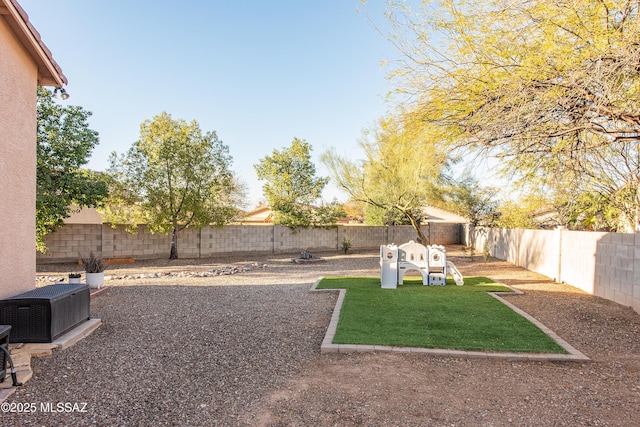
{"points": [[244, 349]]}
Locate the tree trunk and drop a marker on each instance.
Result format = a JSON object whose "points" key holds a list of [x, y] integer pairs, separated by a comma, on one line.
{"points": [[174, 244], [416, 226]]}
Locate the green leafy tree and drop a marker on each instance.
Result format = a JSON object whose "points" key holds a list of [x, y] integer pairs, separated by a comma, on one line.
{"points": [[291, 187], [328, 214], [64, 145], [354, 210], [566, 200], [468, 198], [594, 212], [551, 87], [402, 171], [517, 214], [375, 215], [172, 178]]}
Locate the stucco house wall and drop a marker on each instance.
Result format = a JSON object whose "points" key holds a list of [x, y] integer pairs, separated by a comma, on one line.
{"points": [[18, 80], [23, 65]]}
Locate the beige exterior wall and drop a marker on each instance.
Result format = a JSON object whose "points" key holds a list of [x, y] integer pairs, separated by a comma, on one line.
{"points": [[18, 81]]}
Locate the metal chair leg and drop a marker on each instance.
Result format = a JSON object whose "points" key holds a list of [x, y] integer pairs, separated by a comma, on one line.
{"points": [[14, 376]]}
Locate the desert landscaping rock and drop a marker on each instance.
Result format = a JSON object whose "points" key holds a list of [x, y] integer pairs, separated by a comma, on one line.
{"points": [[244, 349], [43, 280]]}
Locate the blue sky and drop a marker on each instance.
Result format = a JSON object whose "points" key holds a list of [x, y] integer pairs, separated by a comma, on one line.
{"points": [[257, 72]]}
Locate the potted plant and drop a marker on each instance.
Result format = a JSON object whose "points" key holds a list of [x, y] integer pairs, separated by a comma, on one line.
{"points": [[94, 266], [74, 278]]}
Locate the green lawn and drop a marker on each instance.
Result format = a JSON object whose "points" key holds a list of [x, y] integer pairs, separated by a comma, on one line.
{"points": [[451, 317]]}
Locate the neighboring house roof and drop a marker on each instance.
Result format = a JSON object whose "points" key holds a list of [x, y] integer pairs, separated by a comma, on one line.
{"points": [[263, 214], [49, 72], [260, 214], [83, 216], [441, 215]]}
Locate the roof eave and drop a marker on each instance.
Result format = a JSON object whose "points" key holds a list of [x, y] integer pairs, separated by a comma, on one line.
{"points": [[49, 72]]}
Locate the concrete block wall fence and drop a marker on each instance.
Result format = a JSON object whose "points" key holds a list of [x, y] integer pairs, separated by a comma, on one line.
{"points": [[65, 244], [602, 264]]}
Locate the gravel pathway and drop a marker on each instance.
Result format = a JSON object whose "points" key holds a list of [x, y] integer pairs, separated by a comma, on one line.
{"points": [[244, 349]]}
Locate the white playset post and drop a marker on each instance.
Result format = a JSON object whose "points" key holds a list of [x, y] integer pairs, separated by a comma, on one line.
{"points": [[389, 266]]}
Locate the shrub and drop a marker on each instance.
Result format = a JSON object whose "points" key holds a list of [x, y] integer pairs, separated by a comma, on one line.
{"points": [[93, 263], [346, 244]]}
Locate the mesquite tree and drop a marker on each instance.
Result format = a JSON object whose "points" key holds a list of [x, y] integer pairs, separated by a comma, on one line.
{"points": [[550, 86], [402, 171]]}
